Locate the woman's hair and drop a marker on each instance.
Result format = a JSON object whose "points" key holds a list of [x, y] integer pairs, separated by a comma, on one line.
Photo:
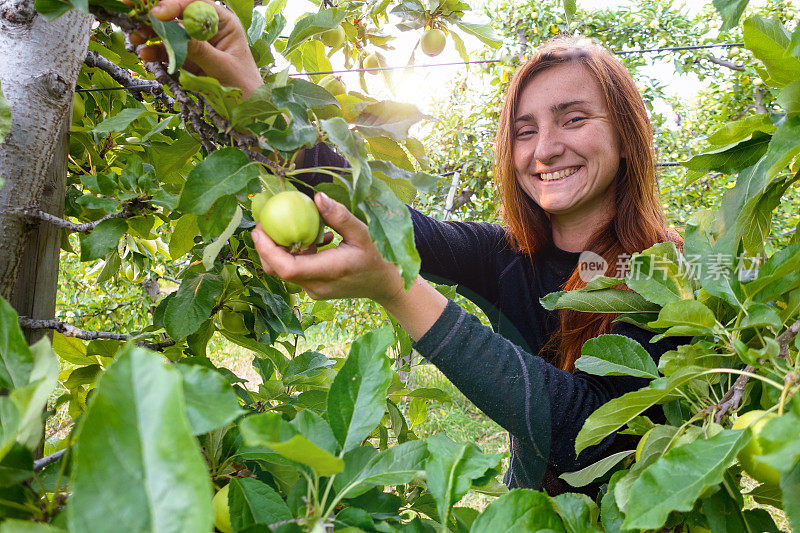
{"points": [[638, 222]]}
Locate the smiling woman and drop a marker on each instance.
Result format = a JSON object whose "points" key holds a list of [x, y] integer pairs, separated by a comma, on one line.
{"points": [[576, 178], [576, 175]]}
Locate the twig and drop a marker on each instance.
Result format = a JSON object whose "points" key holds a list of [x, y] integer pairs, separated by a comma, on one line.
{"points": [[69, 330], [732, 398], [723, 63], [126, 79], [48, 460], [130, 209], [785, 338]]}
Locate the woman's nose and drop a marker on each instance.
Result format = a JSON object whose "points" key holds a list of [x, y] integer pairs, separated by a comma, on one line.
{"points": [[548, 145]]}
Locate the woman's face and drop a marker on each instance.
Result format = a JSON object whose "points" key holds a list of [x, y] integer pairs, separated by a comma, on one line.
{"points": [[566, 151]]}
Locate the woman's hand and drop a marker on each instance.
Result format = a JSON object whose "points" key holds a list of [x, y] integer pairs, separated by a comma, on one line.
{"points": [[353, 269], [226, 56]]}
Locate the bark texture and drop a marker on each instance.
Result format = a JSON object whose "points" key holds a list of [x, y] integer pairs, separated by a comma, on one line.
{"points": [[41, 62]]}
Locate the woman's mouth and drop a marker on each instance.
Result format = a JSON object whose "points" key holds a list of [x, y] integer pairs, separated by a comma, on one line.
{"points": [[559, 174]]}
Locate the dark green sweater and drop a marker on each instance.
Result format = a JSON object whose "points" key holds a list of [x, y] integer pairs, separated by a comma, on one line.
{"points": [[543, 408]]}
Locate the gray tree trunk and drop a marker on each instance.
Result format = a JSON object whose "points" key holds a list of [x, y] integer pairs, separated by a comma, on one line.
{"points": [[41, 62]]}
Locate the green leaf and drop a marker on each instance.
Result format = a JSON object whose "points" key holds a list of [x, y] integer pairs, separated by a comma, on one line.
{"points": [[391, 229], [732, 133], [569, 9], [71, 349], [725, 512], [16, 359], [183, 234], [103, 238], [306, 365], [388, 118], [614, 414], [222, 99], [394, 466], [311, 95], [789, 98], [790, 485], [678, 478], [769, 40], [598, 301], [267, 429], [685, 317], [616, 355], [730, 11], [586, 475], [5, 116], [311, 25], [483, 32], [24, 526], [453, 467], [192, 304], [211, 402], [254, 502], [733, 158], [356, 397], [119, 122], [211, 251], [243, 10], [156, 478], [226, 171], [657, 275], [352, 147], [578, 512], [418, 180], [519, 510], [176, 42]]}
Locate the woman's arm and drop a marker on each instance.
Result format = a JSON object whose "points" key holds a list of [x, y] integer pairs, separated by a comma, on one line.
{"points": [[537, 403]]}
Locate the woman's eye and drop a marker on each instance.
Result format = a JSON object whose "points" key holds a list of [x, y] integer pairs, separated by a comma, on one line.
{"points": [[524, 133], [575, 120]]}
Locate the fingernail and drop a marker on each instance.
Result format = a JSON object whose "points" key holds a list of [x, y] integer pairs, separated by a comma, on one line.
{"points": [[256, 236], [324, 200]]}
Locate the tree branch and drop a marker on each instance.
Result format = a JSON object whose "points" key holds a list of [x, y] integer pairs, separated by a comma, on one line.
{"points": [[48, 460], [125, 78], [786, 338], [130, 209], [69, 330], [724, 63], [732, 398]]}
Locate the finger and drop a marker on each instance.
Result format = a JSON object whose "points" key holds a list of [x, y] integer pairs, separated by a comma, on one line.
{"points": [[153, 53], [278, 261], [340, 219]]}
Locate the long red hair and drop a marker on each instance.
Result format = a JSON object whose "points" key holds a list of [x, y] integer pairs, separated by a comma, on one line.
{"points": [[638, 222]]}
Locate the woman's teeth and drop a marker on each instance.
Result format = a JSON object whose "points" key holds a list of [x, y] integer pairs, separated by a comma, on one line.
{"points": [[552, 176]]}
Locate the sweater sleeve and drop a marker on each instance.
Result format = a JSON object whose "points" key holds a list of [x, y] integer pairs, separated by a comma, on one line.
{"points": [[537, 403]]}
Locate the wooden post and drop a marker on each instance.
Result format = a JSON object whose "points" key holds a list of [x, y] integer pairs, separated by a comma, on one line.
{"points": [[35, 289]]}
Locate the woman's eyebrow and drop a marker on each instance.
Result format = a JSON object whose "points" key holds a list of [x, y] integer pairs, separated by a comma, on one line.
{"points": [[557, 108]]}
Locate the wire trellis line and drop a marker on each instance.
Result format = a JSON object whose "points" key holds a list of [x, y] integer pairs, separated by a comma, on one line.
{"points": [[485, 61]]}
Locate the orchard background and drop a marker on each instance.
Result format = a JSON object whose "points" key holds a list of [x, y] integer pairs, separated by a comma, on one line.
{"points": [[146, 361]]}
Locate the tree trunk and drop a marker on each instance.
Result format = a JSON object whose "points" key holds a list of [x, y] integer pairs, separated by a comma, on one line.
{"points": [[41, 62]]}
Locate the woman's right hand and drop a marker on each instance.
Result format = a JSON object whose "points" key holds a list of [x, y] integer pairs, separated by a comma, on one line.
{"points": [[226, 56]]}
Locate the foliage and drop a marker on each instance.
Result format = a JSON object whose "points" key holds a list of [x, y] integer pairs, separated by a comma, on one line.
{"points": [[328, 442]]}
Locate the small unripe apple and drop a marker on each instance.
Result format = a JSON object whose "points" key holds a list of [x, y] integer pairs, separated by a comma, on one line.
{"points": [[759, 471], [291, 219], [222, 512], [432, 42], [371, 61], [333, 37], [200, 20], [332, 84]]}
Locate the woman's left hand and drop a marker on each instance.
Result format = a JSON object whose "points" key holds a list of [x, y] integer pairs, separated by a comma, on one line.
{"points": [[353, 269]]}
